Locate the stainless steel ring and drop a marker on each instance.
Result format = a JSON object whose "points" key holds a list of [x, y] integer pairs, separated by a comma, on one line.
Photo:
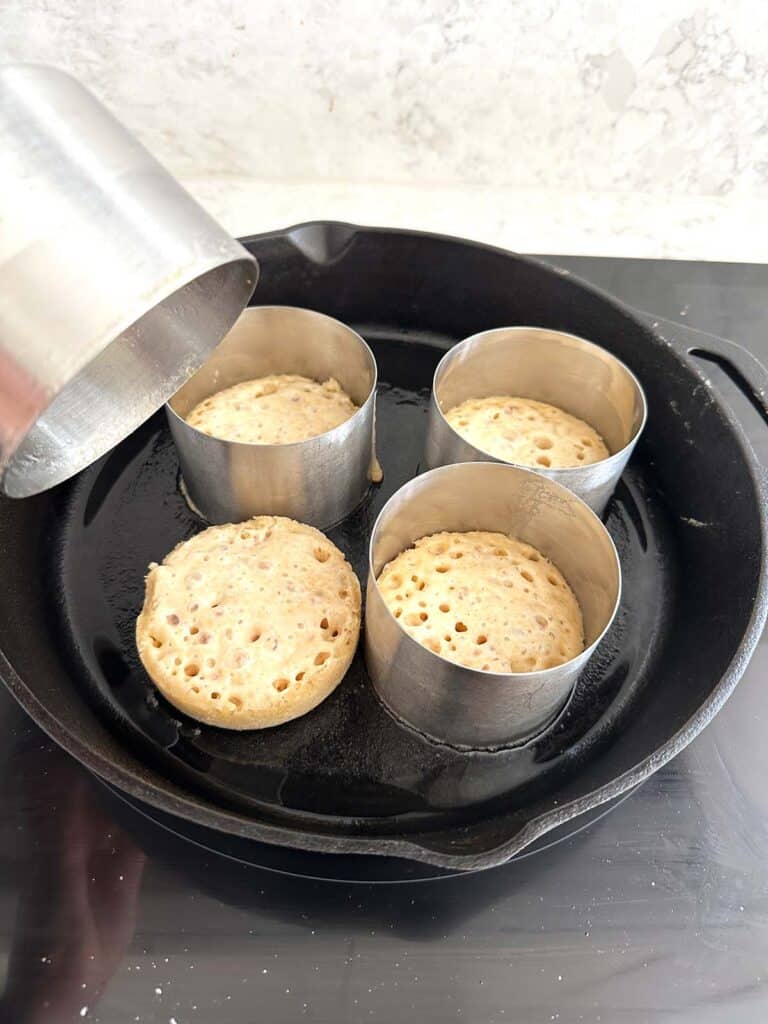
{"points": [[448, 702], [116, 285], [550, 366], [318, 481]]}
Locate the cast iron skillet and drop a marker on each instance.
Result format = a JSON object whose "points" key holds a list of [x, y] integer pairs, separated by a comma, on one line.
{"points": [[689, 520]]}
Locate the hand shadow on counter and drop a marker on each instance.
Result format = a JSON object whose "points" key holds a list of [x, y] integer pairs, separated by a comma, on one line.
{"points": [[79, 886]]}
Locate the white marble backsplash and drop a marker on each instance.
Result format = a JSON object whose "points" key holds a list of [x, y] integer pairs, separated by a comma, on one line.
{"points": [[526, 220], [599, 106]]}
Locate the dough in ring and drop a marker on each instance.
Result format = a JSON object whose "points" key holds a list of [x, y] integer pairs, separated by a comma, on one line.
{"points": [[527, 433], [279, 409], [484, 600]]}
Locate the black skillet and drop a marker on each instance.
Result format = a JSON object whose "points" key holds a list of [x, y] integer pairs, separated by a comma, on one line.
{"points": [[689, 519]]}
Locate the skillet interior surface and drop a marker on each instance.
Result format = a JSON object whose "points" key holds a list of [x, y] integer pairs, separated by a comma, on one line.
{"points": [[686, 519]]}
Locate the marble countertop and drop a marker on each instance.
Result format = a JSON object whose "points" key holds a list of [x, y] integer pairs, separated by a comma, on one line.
{"points": [[728, 229]]}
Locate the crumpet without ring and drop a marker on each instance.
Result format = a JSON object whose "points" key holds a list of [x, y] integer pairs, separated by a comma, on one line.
{"points": [[250, 625], [484, 600], [526, 432]]}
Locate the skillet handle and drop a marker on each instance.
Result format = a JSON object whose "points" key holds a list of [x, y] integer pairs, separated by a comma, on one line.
{"points": [[744, 369]]}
